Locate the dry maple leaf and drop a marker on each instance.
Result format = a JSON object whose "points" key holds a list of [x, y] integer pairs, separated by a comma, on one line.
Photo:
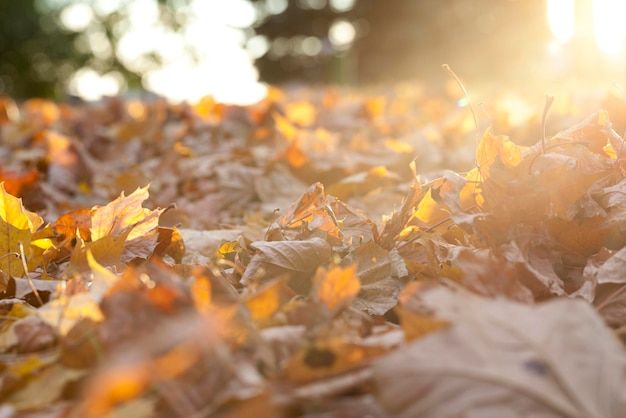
{"points": [[125, 212]]}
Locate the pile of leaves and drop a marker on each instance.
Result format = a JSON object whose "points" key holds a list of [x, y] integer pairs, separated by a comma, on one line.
{"points": [[286, 260]]}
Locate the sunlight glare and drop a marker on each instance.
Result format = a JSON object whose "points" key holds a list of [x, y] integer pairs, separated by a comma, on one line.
{"points": [[561, 19], [608, 20]]}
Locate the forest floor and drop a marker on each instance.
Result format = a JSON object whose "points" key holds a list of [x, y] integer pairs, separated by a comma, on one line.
{"points": [[326, 252]]}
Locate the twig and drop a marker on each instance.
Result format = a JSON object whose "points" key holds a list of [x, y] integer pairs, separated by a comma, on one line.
{"points": [[30, 281], [544, 117], [447, 68]]}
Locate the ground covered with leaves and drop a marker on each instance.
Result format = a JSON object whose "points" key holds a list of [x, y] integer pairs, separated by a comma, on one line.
{"points": [[323, 253]]}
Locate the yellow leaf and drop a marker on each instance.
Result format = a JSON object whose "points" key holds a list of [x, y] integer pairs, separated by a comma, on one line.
{"points": [[338, 286], [301, 113], [510, 154], [471, 193], [124, 213], [486, 153], [16, 226], [492, 147], [429, 211]]}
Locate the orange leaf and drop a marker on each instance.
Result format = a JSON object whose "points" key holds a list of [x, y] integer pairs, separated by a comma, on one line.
{"points": [[201, 294], [266, 302], [76, 220], [301, 113], [295, 156], [116, 385], [14, 182], [337, 287]]}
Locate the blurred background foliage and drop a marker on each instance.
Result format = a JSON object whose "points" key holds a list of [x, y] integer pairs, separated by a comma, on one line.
{"points": [[312, 41]]}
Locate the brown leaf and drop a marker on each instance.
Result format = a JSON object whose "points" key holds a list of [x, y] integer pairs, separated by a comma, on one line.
{"points": [[382, 275], [502, 356], [278, 257], [488, 275], [33, 335]]}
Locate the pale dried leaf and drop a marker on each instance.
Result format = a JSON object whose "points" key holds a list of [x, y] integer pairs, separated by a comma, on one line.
{"points": [[501, 358]]}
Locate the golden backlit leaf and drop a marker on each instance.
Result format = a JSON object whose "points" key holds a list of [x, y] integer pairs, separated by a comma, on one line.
{"points": [[336, 287], [124, 213], [431, 212], [16, 227], [268, 299], [471, 193], [494, 147]]}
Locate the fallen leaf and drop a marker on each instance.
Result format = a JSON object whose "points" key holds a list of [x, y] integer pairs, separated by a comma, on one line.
{"points": [[16, 228], [500, 357], [278, 257], [124, 213], [336, 287]]}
